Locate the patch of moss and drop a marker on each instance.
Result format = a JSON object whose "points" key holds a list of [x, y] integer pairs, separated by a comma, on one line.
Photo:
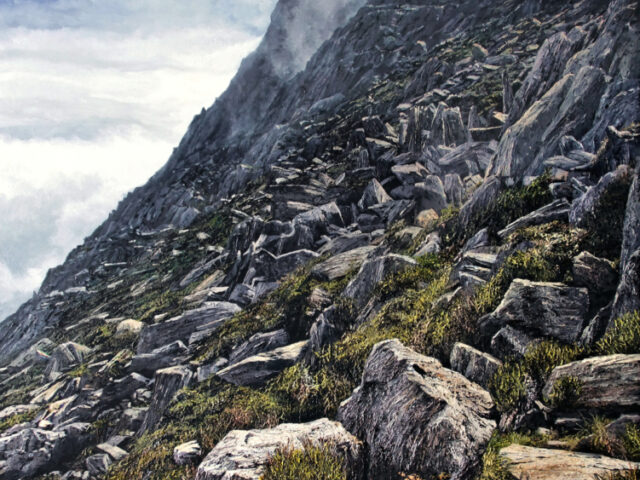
{"points": [[9, 422], [623, 337], [565, 392], [310, 463]]}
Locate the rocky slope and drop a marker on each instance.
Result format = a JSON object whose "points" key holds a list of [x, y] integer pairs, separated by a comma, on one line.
{"points": [[403, 244]]}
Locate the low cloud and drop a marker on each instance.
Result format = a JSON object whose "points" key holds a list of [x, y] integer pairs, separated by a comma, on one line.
{"points": [[93, 97]]}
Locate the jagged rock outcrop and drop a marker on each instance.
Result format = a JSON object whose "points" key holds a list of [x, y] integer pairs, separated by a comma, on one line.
{"points": [[416, 416], [475, 365]]}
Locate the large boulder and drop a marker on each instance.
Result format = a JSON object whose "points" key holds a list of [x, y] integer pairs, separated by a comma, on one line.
{"points": [[244, 454], [475, 365], [168, 382], [30, 451], [257, 369], [211, 314], [546, 464], [415, 416], [627, 299], [541, 309], [597, 274], [610, 382], [373, 272]]}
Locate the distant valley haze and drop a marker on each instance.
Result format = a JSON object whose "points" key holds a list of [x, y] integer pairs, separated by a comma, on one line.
{"points": [[93, 97]]}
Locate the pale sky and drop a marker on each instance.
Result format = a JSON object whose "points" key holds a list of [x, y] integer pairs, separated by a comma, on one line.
{"points": [[94, 95]]}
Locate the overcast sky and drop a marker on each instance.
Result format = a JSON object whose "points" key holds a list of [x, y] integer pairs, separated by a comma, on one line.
{"points": [[94, 94]]}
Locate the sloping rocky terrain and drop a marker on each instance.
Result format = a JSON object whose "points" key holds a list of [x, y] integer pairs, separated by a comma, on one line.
{"points": [[405, 243]]}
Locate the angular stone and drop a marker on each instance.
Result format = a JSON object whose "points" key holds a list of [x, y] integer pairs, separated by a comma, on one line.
{"points": [[209, 370], [611, 382], [371, 273], [341, 264], [454, 188], [556, 210], [187, 453], [475, 365], [65, 356], [256, 370], [243, 454], [542, 309], [431, 244], [181, 327], [129, 326], [631, 230], [115, 452], [410, 174], [168, 382], [597, 274], [415, 415], [162, 357], [98, 464], [426, 218], [123, 388], [478, 52], [447, 127], [373, 194], [509, 342], [546, 464], [258, 343]]}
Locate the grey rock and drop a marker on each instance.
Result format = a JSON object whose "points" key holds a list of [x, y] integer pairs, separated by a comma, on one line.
{"points": [[475, 365], [596, 327], [116, 453], [187, 453], [597, 274], [65, 356], [468, 159], [585, 209], [431, 244], [371, 273], [447, 127], [98, 464], [132, 418], [478, 52], [168, 382], [610, 382], [627, 299], [480, 239], [162, 357], [547, 464], [212, 314], [209, 370], [243, 454], [542, 309], [258, 343], [268, 267], [257, 369], [631, 230], [510, 342], [339, 265], [483, 196], [373, 194], [430, 194], [556, 210], [410, 174], [454, 189], [123, 388], [415, 415]]}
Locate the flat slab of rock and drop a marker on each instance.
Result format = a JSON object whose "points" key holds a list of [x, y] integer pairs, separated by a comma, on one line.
{"points": [[187, 453], [611, 382], [181, 327], [339, 265], [64, 356], [543, 309], [256, 370], [545, 464], [258, 343], [475, 365], [416, 416], [243, 454]]}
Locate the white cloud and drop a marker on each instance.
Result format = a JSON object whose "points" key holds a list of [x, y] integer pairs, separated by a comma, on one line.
{"points": [[93, 97]]}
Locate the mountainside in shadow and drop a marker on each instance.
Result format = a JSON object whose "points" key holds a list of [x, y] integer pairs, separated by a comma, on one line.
{"points": [[404, 243]]}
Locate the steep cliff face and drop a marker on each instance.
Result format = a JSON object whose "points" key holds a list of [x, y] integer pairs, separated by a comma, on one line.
{"points": [[461, 176]]}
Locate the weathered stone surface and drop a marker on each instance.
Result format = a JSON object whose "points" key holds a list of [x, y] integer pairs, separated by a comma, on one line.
{"points": [[431, 244], [210, 369], [16, 410], [243, 455], [129, 326], [510, 342], [341, 264], [162, 357], [631, 230], [415, 415], [373, 272], [268, 267], [426, 218], [542, 309], [454, 188], [611, 382], [98, 464], [256, 370], [447, 127], [187, 453], [545, 464], [475, 365], [478, 52], [258, 343], [181, 327], [115, 452], [627, 299], [410, 174], [556, 210], [65, 356], [483, 196], [32, 450], [597, 274], [167, 383], [123, 388], [373, 194], [585, 209]]}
